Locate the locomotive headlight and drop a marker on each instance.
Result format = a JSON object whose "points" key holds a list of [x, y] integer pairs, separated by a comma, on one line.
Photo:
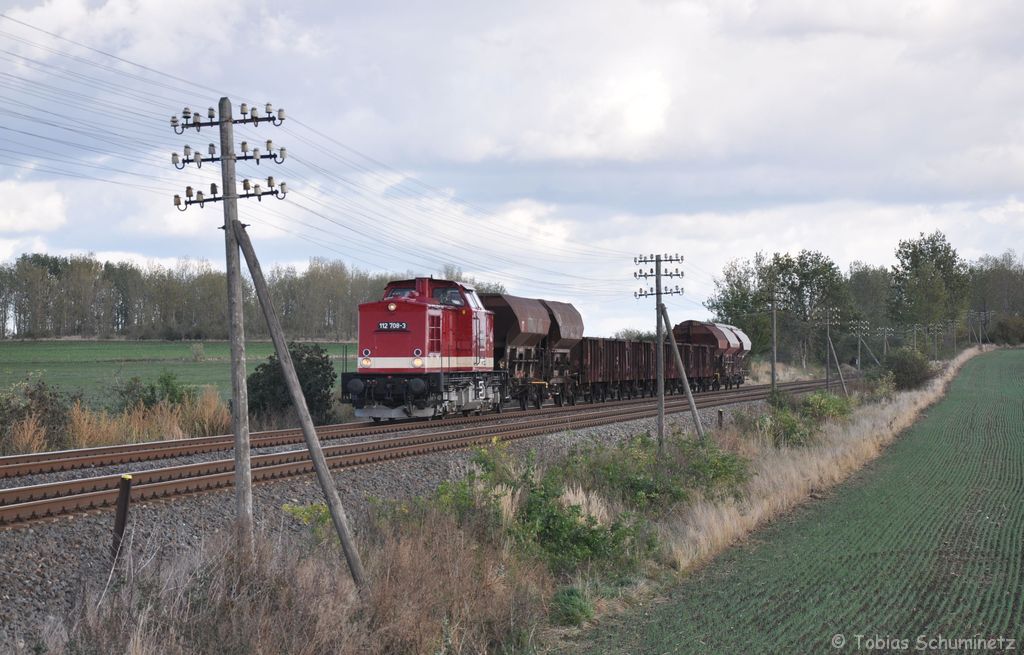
{"points": [[365, 362], [392, 306], [417, 362]]}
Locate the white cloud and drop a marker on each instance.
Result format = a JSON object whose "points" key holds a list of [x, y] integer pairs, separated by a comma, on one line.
{"points": [[31, 207], [10, 249]]}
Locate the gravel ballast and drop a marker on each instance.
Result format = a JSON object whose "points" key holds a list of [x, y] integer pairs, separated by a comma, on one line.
{"points": [[50, 566]]}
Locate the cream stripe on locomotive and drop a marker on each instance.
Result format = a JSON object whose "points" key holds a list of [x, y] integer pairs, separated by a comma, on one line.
{"points": [[430, 362]]}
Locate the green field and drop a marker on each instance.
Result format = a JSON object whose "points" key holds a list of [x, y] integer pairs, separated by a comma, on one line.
{"points": [[92, 367], [928, 540]]}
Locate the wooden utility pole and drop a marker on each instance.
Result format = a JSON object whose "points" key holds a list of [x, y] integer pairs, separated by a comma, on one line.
{"points": [[316, 453], [236, 329], [659, 351], [775, 343], [682, 375], [225, 121], [830, 314]]}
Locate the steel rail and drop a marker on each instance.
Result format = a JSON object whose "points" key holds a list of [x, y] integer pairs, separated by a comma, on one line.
{"points": [[24, 504], [67, 460]]}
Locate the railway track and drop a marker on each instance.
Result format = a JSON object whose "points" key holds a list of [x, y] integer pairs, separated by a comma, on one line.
{"points": [[21, 505]]}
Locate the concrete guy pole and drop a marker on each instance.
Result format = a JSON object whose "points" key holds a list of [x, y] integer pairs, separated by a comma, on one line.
{"points": [[316, 453], [236, 330]]}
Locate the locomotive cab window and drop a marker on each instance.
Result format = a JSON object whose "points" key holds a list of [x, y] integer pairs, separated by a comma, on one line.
{"points": [[448, 296], [399, 293], [474, 300]]}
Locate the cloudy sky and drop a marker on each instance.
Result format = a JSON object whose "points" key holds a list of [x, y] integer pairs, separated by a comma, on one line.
{"points": [[541, 144]]}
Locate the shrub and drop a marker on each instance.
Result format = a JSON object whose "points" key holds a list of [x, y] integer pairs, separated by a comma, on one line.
{"points": [[269, 394], [567, 539], [881, 385], [49, 407], [784, 428], [570, 606], [821, 406], [633, 473], [135, 393], [909, 368]]}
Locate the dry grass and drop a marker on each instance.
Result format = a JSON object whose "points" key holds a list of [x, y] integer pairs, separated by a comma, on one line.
{"points": [[27, 436], [761, 372], [783, 477], [201, 416], [590, 504], [433, 589]]}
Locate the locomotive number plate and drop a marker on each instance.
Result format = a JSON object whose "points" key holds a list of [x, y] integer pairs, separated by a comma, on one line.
{"points": [[392, 326]]}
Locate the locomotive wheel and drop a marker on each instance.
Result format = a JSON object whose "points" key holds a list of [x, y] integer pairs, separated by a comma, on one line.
{"points": [[522, 401], [538, 399], [559, 400]]}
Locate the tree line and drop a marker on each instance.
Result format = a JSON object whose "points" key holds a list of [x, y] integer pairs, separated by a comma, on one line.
{"points": [[930, 297], [51, 296]]}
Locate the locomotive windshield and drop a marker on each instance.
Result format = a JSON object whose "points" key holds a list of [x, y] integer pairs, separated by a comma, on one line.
{"points": [[448, 296], [399, 292], [474, 300]]}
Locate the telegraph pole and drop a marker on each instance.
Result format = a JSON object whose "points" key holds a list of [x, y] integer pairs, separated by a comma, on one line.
{"points": [[775, 343], [885, 333], [236, 238], [659, 352], [224, 120], [861, 327], [830, 314]]}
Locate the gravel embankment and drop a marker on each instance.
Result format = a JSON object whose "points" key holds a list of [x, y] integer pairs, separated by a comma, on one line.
{"points": [[46, 569]]}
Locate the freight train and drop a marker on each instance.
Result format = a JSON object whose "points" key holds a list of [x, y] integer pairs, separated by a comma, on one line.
{"points": [[431, 348]]}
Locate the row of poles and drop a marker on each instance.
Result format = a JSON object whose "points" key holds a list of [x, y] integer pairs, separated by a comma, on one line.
{"points": [[828, 316]]}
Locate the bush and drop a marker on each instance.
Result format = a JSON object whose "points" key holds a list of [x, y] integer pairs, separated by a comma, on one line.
{"points": [[38, 413], [1008, 330], [785, 427], [881, 385], [570, 606], [821, 406], [909, 368], [269, 394], [135, 393], [568, 539], [633, 473]]}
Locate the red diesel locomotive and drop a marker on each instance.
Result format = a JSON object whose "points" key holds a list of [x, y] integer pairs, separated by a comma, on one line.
{"points": [[431, 348], [426, 349]]}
